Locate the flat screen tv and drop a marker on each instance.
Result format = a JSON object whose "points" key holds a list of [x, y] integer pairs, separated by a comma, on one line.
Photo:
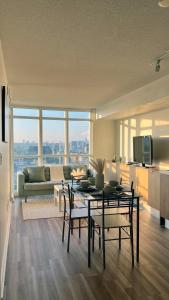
{"points": [[142, 149]]}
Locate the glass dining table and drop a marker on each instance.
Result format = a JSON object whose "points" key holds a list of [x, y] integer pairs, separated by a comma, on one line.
{"points": [[91, 197]]}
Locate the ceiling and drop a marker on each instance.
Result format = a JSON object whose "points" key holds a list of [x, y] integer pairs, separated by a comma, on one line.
{"points": [[88, 52]]}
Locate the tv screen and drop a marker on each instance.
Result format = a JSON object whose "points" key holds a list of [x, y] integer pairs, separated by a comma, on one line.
{"points": [[142, 149]]}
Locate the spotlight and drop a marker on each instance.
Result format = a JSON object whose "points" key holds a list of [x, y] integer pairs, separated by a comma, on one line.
{"points": [[163, 3], [157, 67]]}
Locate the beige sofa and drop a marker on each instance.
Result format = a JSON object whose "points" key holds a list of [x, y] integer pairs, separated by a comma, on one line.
{"points": [[27, 187]]}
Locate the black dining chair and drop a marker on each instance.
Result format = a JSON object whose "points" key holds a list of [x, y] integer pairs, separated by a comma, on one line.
{"points": [[72, 214], [107, 220], [127, 187]]}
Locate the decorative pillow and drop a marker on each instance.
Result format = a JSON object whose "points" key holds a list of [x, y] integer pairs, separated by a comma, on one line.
{"points": [[36, 174], [67, 172], [56, 173], [25, 172], [47, 173]]}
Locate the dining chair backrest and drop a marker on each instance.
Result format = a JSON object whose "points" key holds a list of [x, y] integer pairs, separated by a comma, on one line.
{"points": [[68, 197], [131, 183], [120, 202]]}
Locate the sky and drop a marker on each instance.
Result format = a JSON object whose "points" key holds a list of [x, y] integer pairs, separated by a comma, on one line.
{"points": [[53, 130]]}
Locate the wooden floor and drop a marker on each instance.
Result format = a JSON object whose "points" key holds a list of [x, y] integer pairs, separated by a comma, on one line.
{"points": [[39, 268]]}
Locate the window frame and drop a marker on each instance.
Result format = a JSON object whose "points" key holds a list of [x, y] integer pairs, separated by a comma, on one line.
{"points": [[40, 156]]}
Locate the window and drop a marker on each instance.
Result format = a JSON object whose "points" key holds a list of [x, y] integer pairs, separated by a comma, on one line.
{"points": [[25, 144], [79, 137], [53, 137], [27, 112], [25, 137], [79, 115], [50, 136], [53, 113]]}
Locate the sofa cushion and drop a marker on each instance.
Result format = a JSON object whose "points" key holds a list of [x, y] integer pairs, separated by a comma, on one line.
{"points": [[37, 186], [56, 172], [25, 172], [67, 172], [36, 174], [47, 173]]}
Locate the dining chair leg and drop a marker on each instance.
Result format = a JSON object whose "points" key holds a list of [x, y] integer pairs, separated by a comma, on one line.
{"points": [[93, 235], [132, 245], [91, 222], [68, 242], [63, 230], [103, 245], [71, 226], [119, 238], [99, 238], [79, 229]]}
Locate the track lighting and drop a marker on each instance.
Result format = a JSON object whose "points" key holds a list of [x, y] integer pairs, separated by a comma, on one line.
{"points": [[158, 60], [163, 3], [157, 67]]}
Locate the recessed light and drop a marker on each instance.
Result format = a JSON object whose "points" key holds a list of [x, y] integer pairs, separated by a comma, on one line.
{"points": [[163, 3]]}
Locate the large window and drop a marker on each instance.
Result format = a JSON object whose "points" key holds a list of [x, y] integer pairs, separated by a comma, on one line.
{"points": [[79, 133], [50, 136]]}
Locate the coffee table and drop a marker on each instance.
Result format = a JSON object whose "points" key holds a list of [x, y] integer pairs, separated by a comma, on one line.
{"points": [[58, 195]]}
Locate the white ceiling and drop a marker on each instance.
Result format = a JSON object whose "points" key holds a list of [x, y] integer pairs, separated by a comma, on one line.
{"points": [[88, 52]]}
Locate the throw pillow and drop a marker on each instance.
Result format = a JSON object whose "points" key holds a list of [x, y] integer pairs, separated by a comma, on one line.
{"points": [[56, 173], [36, 174]]}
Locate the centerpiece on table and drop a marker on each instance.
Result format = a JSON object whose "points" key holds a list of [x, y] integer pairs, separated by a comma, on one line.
{"points": [[78, 173], [98, 166]]}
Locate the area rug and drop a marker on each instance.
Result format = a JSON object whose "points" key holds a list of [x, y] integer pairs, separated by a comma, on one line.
{"points": [[40, 209]]}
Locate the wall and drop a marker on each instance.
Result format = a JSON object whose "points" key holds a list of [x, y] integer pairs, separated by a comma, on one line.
{"points": [[154, 123], [104, 143], [103, 139], [4, 187]]}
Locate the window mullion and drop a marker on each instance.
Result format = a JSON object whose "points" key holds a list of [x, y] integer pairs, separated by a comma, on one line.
{"points": [[66, 139], [40, 137]]}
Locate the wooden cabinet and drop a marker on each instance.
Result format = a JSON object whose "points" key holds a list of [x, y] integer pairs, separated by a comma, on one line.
{"points": [[125, 173], [164, 196], [154, 189], [151, 184], [142, 182]]}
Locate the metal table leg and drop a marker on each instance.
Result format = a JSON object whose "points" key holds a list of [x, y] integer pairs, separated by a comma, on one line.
{"points": [[89, 232], [138, 230]]}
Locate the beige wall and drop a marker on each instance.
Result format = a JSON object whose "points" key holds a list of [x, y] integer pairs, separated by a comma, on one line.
{"points": [[154, 123], [104, 143], [103, 139], [4, 180]]}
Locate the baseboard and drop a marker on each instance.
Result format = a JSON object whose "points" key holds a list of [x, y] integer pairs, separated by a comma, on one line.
{"points": [[154, 212], [166, 223], [5, 252]]}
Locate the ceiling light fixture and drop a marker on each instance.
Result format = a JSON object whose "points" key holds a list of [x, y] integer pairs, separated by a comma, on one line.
{"points": [[158, 60], [157, 68], [163, 3]]}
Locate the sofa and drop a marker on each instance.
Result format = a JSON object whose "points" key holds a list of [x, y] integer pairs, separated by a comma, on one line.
{"points": [[34, 181]]}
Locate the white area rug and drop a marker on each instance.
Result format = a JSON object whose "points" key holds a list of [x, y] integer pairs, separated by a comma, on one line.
{"points": [[40, 209]]}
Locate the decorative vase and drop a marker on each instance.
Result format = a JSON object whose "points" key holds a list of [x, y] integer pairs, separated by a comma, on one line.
{"points": [[99, 181]]}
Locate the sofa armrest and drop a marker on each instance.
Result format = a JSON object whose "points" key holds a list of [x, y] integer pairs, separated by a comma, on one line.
{"points": [[20, 183]]}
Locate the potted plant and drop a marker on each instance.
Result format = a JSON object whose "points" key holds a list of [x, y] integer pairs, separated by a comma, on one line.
{"points": [[98, 166]]}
